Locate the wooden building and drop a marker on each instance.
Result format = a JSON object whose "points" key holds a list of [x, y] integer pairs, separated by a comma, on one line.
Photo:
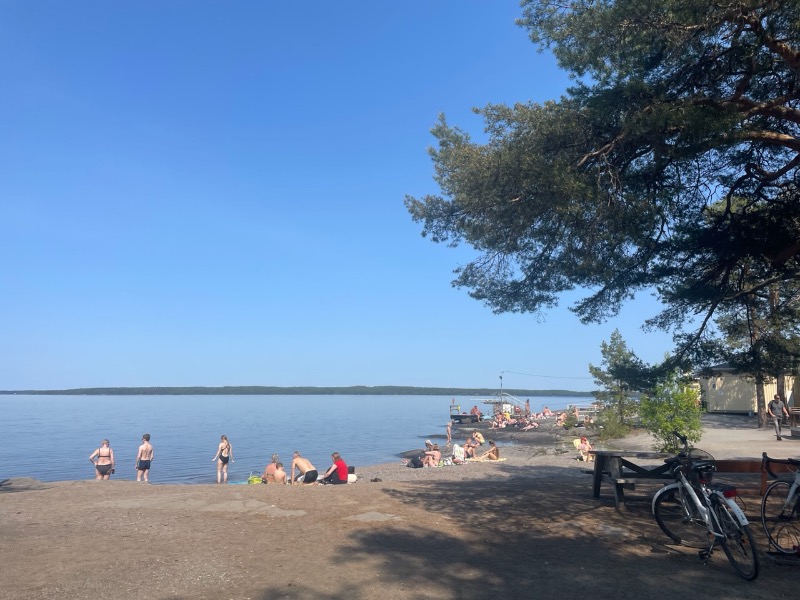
{"points": [[727, 392]]}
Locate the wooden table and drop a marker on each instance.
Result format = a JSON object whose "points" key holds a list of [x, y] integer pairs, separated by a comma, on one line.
{"points": [[617, 468]]}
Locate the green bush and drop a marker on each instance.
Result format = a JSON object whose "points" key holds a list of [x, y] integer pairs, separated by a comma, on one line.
{"points": [[671, 406], [610, 425]]}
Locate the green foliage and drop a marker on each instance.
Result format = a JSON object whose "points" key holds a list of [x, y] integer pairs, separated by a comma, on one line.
{"points": [[673, 405], [610, 426], [620, 367], [614, 187]]}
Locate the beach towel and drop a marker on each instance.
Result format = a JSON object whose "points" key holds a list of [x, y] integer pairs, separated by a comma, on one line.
{"points": [[576, 442], [486, 460], [458, 453]]}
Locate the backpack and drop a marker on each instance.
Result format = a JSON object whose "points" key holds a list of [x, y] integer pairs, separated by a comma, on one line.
{"points": [[415, 463]]}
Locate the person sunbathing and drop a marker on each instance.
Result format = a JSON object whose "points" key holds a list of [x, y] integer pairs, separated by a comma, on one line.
{"points": [[530, 425], [584, 448], [547, 412], [469, 449], [432, 457], [493, 453]]}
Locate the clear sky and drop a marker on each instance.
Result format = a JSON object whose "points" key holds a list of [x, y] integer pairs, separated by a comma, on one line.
{"points": [[211, 193]]}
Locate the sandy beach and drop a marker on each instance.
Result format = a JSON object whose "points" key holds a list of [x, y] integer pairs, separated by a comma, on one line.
{"points": [[525, 527]]}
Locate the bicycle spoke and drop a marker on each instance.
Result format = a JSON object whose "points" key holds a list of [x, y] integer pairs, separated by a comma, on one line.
{"points": [[780, 518], [738, 543]]}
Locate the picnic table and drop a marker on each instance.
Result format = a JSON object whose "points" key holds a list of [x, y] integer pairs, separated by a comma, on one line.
{"points": [[617, 468]]}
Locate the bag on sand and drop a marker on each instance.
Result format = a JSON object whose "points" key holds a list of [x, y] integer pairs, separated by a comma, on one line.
{"points": [[415, 463], [254, 479]]}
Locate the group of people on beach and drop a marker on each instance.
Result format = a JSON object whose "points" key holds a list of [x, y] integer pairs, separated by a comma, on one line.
{"points": [[105, 464], [307, 474], [432, 455]]}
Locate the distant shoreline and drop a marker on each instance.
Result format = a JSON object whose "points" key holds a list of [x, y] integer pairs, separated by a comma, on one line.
{"points": [[358, 390]]}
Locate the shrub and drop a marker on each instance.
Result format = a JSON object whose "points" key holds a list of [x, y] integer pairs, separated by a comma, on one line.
{"points": [[671, 406], [610, 425]]}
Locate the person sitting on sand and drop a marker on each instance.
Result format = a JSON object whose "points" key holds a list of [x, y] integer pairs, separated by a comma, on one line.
{"points": [[269, 471], [531, 425], [478, 437], [432, 457], [547, 412], [562, 416], [498, 422], [306, 472], [469, 448], [279, 476], [493, 453], [337, 473], [584, 447]]}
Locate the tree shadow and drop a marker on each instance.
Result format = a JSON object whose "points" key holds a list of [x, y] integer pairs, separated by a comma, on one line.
{"points": [[543, 537]]}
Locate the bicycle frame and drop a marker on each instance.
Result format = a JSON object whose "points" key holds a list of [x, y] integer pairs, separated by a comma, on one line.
{"points": [[709, 518]]}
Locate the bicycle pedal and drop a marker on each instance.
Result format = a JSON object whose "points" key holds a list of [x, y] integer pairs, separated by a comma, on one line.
{"points": [[704, 555]]}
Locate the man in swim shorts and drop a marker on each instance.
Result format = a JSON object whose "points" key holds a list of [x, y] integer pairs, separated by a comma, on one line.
{"points": [[143, 459], [307, 473]]}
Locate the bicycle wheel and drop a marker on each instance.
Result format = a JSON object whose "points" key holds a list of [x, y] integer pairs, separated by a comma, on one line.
{"points": [[781, 519], [678, 517], [738, 543]]}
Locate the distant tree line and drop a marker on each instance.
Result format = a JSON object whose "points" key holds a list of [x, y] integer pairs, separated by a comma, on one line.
{"points": [[259, 390]]}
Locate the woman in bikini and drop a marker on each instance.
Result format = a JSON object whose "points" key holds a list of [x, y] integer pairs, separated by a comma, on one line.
{"points": [[493, 453], [223, 455], [104, 465]]}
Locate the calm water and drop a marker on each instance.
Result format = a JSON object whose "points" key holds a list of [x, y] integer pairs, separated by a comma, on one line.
{"points": [[50, 438]]}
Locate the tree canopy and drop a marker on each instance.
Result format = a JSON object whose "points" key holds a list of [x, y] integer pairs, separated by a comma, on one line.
{"points": [[670, 165]]}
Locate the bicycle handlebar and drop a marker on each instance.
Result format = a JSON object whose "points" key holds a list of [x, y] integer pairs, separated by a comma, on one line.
{"points": [[766, 460], [682, 438]]}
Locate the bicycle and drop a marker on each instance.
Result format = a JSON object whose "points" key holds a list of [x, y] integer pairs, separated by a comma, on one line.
{"points": [[695, 513], [780, 507]]}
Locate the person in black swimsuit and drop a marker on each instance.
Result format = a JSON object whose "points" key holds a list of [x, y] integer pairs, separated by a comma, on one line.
{"points": [[224, 454], [104, 465]]}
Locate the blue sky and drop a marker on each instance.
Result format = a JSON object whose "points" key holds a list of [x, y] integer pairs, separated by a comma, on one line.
{"points": [[211, 193]]}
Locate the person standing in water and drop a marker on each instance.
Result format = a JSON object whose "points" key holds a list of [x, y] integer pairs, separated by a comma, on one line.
{"points": [[104, 465], [449, 432], [223, 456], [143, 459]]}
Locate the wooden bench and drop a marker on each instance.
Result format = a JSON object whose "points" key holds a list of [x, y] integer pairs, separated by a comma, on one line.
{"points": [[746, 466], [627, 480]]}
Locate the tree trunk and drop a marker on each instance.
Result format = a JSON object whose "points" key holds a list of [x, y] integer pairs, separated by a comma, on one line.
{"points": [[761, 404]]}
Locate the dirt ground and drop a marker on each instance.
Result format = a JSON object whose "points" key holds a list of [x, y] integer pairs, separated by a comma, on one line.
{"points": [[510, 530]]}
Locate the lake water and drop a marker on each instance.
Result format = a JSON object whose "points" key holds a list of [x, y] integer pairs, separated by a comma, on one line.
{"points": [[50, 438]]}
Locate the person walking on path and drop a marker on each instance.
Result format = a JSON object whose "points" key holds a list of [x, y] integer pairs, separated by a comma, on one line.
{"points": [[223, 455], [104, 465], [777, 410], [143, 459]]}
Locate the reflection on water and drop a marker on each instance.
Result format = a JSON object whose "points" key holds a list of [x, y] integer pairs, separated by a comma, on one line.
{"points": [[50, 438]]}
